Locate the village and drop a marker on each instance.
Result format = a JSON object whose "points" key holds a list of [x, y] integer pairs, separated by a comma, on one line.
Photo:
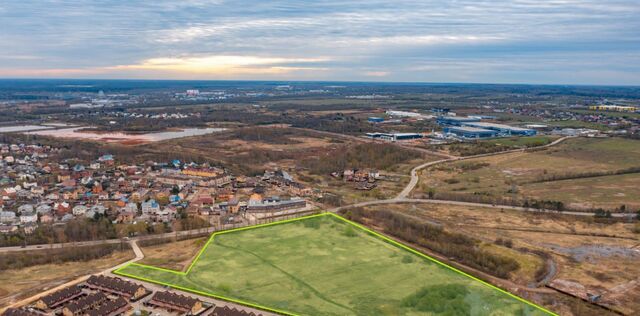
{"points": [[38, 189]]}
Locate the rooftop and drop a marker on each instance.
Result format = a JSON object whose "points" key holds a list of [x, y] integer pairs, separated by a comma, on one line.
{"points": [[471, 129], [495, 125]]}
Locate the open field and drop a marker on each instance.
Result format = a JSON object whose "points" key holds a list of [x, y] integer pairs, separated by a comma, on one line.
{"points": [[22, 283], [250, 150], [577, 124], [609, 113], [323, 265], [518, 175], [497, 145], [599, 256], [172, 255]]}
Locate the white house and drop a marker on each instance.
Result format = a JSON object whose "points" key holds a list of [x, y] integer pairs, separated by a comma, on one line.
{"points": [[27, 208], [7, 217], [150, 207], [98, 209], [28, 217], [44, 209], [79, 210], [165, 215], [131, 207]]}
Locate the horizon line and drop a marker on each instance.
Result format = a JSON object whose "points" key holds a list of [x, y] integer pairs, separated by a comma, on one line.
{"points": [[333, 81]]}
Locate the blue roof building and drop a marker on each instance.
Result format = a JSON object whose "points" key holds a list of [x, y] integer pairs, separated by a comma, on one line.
{"points": [[502, 129], [470, 132]]}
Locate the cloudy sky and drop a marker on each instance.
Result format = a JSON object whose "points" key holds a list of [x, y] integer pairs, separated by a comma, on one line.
{"points": [[521, 41]]}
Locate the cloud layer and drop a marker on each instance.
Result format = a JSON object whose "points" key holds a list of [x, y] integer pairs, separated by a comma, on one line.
{"points": [[523, 41]]}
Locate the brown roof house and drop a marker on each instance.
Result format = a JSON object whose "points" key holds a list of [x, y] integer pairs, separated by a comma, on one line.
{"points": [[176, 302], [111, 308], [117, 286], [84, 304], [58, 298], [227, 311]]}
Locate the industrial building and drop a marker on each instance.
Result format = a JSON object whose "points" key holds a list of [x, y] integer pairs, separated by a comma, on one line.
{"points": [[617, 108], [413, 115], [502, 129], [470, 132], [455, 120], [394, 136]]}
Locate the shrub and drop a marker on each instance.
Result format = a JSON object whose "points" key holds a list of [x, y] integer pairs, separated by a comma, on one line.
{"points": [[407, 259], [440, 299], [349, 232]]}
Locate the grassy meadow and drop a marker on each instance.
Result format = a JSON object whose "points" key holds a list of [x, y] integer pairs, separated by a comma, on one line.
{"points": [[326, 266]]}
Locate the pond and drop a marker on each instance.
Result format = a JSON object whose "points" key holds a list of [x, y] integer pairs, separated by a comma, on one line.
{"points": [[120, 137], [22, 128]]}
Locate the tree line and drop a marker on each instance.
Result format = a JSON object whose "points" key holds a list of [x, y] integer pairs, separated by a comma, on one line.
{"points": [[17, 260], [460, 247], [582, 175]]}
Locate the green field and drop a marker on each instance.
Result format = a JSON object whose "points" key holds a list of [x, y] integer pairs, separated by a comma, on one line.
{"points": [[325, 265]]}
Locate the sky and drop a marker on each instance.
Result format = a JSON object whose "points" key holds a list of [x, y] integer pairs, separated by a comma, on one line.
{"points": [[522, 41]]}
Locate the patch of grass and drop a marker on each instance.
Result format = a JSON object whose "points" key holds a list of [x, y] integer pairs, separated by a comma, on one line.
{"points": [[407, 259], [445, 299]]}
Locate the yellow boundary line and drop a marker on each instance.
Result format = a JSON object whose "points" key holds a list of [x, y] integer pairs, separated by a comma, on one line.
{"points": [[369, 231]]}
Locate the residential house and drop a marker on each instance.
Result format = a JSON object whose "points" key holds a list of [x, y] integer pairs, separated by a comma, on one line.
{"points": [[229, 311], [165, 215], [150, 207], [46, 218], [26, 208], [58, 298], [44, 209], [176, 302], [28, 217], [117, 286], [61, 208], [84, 304], [7, 217], [111, 308], [8, 229], [99, 208], [131, 207], [79, 210]]}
